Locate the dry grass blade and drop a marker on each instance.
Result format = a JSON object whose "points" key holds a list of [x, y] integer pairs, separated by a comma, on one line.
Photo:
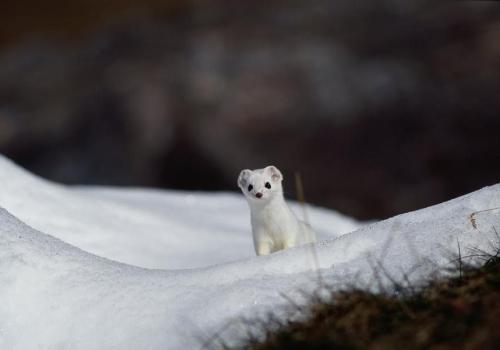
{"points": [[472, 217], [302, 200]]}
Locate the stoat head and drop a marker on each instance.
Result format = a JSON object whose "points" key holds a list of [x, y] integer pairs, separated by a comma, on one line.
{"points": [[260, 185]]}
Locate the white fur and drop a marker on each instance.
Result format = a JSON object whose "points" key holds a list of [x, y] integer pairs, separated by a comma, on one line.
{"points": [[274, 225]]}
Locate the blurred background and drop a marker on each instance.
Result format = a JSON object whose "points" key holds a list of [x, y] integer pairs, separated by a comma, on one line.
{"points": [[383, 107]]}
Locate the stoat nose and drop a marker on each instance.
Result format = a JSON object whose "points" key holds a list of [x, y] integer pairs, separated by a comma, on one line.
{"points": [[258, 195]]}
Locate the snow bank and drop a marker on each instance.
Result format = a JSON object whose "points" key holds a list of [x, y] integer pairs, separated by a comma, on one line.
{"points": [[56, 294], [147, 228]]}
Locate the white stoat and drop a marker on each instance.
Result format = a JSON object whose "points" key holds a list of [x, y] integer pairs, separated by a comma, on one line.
{"points": [[274, 225]]}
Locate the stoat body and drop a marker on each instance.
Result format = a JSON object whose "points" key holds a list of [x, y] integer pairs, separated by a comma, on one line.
{"points": [[274, 225]]}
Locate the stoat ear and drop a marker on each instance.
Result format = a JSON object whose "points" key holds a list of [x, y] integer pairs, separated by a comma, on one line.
{"points": [[243, 178], [274, 173]]}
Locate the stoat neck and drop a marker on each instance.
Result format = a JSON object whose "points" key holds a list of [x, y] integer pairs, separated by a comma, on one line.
{"points": [[275, 204]]}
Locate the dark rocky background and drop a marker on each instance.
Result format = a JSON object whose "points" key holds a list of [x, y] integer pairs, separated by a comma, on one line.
{"points": [[383, 107]]}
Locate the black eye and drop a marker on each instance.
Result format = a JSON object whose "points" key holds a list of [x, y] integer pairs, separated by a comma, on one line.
{"points": [[250, 187], [268, 185]]}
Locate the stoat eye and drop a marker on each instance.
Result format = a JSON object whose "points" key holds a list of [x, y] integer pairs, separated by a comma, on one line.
{"points": [[250, 187], [268, 185]]}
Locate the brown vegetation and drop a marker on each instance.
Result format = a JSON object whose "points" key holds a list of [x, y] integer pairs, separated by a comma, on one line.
{"points": [[456, 313]]}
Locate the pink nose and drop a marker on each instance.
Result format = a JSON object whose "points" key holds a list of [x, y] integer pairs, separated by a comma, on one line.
{"points": [[258, 195]]}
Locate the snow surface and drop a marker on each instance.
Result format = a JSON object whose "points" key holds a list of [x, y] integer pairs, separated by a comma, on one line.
{"points": [[107, 268], [146, 228]]}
